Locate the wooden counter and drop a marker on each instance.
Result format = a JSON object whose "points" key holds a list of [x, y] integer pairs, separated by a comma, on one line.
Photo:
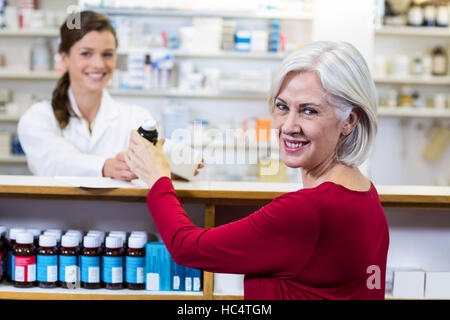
{"points": [[211, 194]]}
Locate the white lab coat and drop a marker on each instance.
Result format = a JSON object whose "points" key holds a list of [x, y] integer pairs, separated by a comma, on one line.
{"points": [[74, 151]]}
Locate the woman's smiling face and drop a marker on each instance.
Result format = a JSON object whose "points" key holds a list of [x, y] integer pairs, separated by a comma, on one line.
{"points": [[308, 128], [91, 60]]}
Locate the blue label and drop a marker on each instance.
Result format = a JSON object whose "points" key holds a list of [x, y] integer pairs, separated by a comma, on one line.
{"points": [[10, 266], [90, 269], [134, 269], [112, 270], [47, 268], [69, 263]]}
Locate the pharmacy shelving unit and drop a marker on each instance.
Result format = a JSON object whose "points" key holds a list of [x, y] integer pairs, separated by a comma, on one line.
{"points": [[40, 192], [30, 33], [405, 31], [410, 112]]}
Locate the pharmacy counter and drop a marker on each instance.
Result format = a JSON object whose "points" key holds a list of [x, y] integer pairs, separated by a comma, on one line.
{"points": [[101, 203]]}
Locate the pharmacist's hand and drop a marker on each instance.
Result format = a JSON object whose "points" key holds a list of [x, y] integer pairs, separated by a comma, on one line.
{"points": [[117, 168], [147, 161]]}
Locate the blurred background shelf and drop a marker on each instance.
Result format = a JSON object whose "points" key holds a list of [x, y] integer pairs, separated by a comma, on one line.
{"points": [[409, 112], [405, 31], [28, 75], [430, 80], [29, 33], [13, 159]]}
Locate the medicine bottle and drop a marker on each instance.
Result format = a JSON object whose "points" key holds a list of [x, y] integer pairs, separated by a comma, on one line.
{"points": [[122, 235], [135, 263], [112, 264], [55, 233], [68, 261], [13, 232], [24, 255], [148, 130], [36, 233], [47, 262], [90, 263]]}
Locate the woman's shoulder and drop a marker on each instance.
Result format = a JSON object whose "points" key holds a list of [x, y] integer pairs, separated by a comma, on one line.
{"points": [[39, 110]]}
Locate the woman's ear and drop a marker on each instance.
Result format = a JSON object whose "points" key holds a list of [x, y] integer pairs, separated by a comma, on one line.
{"points": [[64, 60], [351, 121]]}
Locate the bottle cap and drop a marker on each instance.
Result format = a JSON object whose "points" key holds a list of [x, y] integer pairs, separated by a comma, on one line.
{"points": [[149, 124], [136, 242], [46, 240], [34, 232], [113, 242], [24, 238], [139, 234], [75, 234], [91, 242], [54, 233], [121, 234], [69, 240], [13, 232], [99, 234], [75, 231]]}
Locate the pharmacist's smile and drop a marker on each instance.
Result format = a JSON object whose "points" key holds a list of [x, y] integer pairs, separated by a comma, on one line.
{"points": [[96, 76]]}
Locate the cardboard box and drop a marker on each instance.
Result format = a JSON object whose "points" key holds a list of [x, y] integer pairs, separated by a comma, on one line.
{"points": [[409, 284], [437, 285]]}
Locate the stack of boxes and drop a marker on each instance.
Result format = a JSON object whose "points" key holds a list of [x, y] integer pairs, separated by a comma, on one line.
{"points": [[228, 31]]}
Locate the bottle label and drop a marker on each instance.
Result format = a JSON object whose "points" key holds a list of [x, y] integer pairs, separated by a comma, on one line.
{"points": [[152, 281], [439, 64], [134, 267], [10, 264], [188, 284], [176, 283], [47, 268], [68, 269], [24, 269], [112, 270], [90, 269]]}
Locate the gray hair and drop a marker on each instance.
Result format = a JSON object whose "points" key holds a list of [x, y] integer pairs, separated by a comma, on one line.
{"points": [[346, 78]]}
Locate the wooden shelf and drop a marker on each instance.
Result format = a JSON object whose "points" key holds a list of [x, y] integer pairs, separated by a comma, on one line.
{"points": [[174, 13], [410, 112], [8, 291], [30, 33], [429, 80], [406, 31]]}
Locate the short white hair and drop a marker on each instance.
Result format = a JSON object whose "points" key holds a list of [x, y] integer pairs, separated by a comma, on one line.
{"points": [[346, 78]]}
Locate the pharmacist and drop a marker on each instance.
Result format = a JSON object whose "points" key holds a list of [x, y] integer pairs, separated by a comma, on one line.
{"points": [[328, 240], [82, 131]]}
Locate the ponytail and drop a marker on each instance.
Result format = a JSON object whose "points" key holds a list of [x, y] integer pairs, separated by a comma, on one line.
{"points": [[60, 101]]}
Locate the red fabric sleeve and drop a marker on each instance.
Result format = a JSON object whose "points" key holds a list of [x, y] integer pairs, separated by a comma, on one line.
{"points": [[278, 239]]}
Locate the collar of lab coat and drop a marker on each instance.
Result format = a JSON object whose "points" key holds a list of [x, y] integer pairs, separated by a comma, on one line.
{"points": [[107, 112]]}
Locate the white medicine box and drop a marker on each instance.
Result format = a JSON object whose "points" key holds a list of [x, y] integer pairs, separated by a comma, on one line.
{"points": [[408, 284], [437, 285]]}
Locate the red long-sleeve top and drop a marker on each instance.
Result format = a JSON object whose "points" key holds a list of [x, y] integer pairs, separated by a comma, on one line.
{"points": [[326, 242]]}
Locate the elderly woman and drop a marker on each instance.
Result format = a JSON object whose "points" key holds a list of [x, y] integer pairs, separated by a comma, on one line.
{"points": [[328, 240]]}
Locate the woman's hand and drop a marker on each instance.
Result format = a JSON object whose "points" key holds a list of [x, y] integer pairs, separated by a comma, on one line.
{"points": [[117, 168], [147, 161]]}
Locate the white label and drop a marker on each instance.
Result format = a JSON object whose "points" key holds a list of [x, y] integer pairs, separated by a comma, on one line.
{"points": [[176, 283], [71, 273], [52, 273], [196, 284], [188, 284], [140, 275], [117, 275], [153, 281], [439, 64], [31, 272], [19, 274], [94, 274]]}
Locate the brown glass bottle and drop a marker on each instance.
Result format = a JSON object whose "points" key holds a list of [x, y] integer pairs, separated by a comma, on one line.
{"points": [[112, 267], [135, 260], [24, 255], [90, 259], [68, 262], [47, 251]]}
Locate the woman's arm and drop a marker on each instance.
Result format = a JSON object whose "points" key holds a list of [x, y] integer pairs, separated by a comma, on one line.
{"points": [[278, 239]]}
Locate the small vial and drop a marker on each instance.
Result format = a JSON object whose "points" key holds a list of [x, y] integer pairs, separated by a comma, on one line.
{"points": [[90, 263], [13, 232], [24, 255], [148, 130], [47, 262], [112, 266], [68, 261], [135, 263], [3, 252]]}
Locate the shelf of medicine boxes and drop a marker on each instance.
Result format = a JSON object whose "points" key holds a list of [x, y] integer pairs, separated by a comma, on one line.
{"points": [[29, 33], [13, 159], [420, 80], [405, 31], [410, 112], [260, 15]]}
